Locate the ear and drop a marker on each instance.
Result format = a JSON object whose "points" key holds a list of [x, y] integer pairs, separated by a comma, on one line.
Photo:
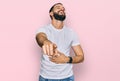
{"points": [[51, 13]]}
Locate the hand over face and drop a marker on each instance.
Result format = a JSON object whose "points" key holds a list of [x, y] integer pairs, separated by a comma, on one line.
{"points": [[59, 58]]}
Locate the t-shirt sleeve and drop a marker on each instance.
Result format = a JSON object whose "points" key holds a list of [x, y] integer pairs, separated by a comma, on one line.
{"points": [[42, 29], [75, 39]]}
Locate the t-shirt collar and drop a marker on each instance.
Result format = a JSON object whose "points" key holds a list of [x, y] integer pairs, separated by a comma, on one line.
{"points": [[56, 28]]}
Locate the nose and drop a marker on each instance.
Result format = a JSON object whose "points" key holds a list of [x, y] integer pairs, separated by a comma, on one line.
{"points": [[63, 9]]}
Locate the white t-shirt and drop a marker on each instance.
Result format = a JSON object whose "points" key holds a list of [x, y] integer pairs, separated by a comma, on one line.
{"points": [[64, 38]]}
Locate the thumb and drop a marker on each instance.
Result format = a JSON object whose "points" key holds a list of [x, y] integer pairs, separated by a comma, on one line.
{"points": [[56, 53]]}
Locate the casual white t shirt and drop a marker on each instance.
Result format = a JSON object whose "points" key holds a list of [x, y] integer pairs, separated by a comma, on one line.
{"points": [[64, 38]]}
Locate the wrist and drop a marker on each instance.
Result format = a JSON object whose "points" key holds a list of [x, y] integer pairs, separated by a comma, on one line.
{"points": [[69, 59], [45, 41]]}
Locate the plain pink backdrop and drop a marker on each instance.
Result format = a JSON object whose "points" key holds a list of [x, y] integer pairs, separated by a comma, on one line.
{"points": [[97, 23]]}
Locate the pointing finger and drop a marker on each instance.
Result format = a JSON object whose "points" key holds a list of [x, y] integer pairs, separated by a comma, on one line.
{"points": [[43, 47], [51, 49]]}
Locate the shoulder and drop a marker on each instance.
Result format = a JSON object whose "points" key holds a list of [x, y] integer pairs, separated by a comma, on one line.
{"points": [[69, 30], [42, 28]]}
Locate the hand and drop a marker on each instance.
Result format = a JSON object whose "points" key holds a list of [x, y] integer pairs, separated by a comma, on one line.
{"points": [[59, 58], [49, 47]]}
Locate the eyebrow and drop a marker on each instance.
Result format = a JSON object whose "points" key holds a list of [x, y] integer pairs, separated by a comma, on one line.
{"points": [[57, 6]]}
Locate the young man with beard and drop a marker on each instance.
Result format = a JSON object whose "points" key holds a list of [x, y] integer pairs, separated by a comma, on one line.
{"points": [[56, 40]]}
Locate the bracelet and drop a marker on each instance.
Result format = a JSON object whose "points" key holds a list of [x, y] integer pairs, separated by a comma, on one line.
{"points": [[70, 60]]}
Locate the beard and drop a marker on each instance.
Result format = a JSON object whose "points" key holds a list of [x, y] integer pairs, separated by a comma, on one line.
{"points": [[59, 17]]}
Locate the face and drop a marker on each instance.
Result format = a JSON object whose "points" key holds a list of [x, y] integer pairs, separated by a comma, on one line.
{"points": [[59, 12]]}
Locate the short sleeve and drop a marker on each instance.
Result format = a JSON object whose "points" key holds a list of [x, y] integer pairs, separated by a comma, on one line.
{"points": [[42, 29], [75, 39]]}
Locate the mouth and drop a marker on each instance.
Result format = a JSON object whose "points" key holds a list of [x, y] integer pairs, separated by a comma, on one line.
{"points": [[61, 12]]}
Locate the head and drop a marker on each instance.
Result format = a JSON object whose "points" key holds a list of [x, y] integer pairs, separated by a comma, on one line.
{"points": [[57, 11]]}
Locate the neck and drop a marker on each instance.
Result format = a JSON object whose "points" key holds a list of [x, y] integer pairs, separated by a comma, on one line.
{"points": [[57, 24]]}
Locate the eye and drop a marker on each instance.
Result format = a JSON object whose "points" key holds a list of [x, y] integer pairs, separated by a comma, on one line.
{"points": [[58, 7]]}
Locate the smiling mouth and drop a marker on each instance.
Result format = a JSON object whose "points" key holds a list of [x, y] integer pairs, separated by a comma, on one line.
{"points": [[61, 12]]}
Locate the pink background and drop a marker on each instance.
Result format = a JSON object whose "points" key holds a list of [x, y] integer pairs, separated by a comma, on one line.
{"points": [[97, 23]]}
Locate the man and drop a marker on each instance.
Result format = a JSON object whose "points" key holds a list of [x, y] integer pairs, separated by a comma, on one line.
{"points": [[56, 40]]}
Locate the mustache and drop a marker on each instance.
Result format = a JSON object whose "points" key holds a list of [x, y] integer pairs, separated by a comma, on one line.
{"points": [[61, 10]]}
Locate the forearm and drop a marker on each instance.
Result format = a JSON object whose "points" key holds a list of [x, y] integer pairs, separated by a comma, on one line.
{"points": [[40, 38], [77, 59], [74, 59], [79, 55]]}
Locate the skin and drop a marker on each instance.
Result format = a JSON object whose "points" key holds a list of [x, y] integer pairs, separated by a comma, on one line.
{"points": [[50, 48]]}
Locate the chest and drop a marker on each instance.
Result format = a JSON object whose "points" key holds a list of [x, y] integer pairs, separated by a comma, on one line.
{"points": [[61, 39]]}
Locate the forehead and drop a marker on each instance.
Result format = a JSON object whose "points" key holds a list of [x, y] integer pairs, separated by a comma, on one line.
{"points": [[58, 5]]}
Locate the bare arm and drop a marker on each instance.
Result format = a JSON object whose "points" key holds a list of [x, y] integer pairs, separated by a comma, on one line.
{"points": [[40, 38], [47, 46], [79, 55], [62, 58]]}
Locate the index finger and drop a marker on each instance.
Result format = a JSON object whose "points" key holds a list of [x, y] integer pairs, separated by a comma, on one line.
{"points": [[51, 49]]}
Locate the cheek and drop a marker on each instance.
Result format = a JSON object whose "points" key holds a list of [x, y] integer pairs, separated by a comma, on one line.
{"points": [[56, 11]]}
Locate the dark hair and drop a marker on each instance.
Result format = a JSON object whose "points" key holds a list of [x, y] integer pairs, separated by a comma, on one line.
{"points": [[51, 9]]}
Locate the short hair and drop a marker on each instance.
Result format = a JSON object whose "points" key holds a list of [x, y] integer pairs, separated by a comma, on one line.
{"points": [[53, 6], [51, 9]]}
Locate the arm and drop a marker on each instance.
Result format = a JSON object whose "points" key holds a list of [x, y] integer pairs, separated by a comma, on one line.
{"points": [[61, 58], [79, 56], [40, 38], [47, 46]]}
